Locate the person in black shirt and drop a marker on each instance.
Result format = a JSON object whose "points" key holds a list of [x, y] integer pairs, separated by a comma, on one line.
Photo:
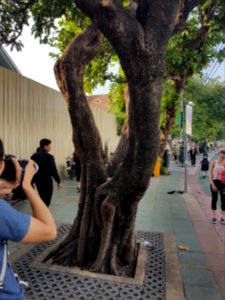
{"points": [[193, 152], [47, 170]]}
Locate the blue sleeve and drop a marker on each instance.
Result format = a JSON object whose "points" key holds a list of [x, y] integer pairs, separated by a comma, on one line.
{"points": [[14, 225]]}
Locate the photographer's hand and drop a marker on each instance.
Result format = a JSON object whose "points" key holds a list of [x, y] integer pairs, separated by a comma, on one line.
{"points": [[28, 174], [18, 172]]}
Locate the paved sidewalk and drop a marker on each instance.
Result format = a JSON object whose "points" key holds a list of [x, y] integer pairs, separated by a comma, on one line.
{"points": [[186, 216]]}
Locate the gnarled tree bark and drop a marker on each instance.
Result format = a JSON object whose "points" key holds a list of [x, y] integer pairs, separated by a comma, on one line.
{"points": [[102, 238]]}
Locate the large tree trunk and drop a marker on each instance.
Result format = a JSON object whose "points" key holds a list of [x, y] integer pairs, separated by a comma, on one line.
{"points": [[102, 237]]}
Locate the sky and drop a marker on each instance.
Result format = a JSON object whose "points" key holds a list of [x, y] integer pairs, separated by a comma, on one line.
{"points": [[35, 63]]}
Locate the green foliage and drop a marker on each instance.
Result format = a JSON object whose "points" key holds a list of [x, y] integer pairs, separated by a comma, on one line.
{"points": [[176, 131], [117, 103], [13, 17], [193, 48], [16, 13], [97, 71], [164, 171], [57, 22], [124, 3], [208, 109], [45, 17], [170, 98], [66, 29]]}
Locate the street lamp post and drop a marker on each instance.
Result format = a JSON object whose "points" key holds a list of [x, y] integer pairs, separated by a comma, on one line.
{"points": [[185, 165], [187, 130], [181, 152], [184, 142]]}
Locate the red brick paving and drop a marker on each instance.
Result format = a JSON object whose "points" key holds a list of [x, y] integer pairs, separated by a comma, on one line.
{"points": [[210, 236]]}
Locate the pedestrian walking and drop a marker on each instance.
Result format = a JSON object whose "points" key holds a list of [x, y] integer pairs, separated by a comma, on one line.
{"points": [[47, 171], [204, 165], [20, 227], [175, 153], [193, 153], [217, 168]]}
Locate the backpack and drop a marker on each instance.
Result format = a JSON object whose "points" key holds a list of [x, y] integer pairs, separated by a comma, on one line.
{"points": [[4, 267], [4, 264], [205, 164]]}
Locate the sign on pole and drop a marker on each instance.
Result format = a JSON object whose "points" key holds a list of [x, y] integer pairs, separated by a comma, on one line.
{"points": [[189, 119]]}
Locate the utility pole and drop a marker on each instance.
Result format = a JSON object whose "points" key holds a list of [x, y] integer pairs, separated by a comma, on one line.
{"points": [[181, 152], [184, 142]]}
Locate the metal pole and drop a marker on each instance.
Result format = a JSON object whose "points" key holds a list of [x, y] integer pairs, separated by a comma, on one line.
{"points": [[181, 154], [185, 147], [185, 165]]}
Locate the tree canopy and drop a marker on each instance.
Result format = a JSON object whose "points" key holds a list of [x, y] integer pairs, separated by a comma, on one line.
{"points": [[208, 109], [189, 51]]}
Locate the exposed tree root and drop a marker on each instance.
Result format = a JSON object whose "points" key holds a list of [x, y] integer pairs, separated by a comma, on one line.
{"points": [[108, 210], [64, 255]]}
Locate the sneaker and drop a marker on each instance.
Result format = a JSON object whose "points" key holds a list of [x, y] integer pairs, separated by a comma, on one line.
{"points": [[222, 221], [213, 220]]}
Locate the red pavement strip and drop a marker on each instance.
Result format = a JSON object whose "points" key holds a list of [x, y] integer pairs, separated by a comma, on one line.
{"points": [[210, 236]]}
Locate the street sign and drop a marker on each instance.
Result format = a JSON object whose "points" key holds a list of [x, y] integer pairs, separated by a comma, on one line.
{"points": [[189, 119]]}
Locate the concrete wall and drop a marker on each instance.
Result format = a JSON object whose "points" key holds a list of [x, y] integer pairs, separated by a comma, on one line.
{"points": [[30, 111]]}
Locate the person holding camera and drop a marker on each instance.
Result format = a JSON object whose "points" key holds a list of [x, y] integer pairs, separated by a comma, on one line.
{"points": [[47, 171], [20, 227]]}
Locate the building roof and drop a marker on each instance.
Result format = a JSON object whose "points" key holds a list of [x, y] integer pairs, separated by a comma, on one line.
{"points": [[100, 101], [7, 62]]}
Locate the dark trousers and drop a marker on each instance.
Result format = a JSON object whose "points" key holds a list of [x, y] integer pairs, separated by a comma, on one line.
{"points": [[220, 190], [193, 160], [45, 190]]}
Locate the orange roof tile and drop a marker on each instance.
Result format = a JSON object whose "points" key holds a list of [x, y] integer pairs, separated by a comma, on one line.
{"points": [[100, 101]]}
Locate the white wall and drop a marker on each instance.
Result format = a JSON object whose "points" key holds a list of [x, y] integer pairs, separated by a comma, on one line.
{"points": [[30, 111]]}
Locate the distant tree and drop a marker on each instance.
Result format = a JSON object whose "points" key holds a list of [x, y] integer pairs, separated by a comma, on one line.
{"points": [[199, 41], [208, 109]]}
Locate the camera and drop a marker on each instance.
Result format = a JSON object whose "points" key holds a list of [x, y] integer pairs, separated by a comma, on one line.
{"points": [[9, 172]]}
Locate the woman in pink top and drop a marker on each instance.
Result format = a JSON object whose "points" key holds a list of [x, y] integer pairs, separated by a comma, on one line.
{"points": [[216, 168]]}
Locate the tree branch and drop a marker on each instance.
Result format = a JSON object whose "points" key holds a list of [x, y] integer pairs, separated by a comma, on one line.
{"points": [[202, 35], [186, 7], [110, 15], [69, 70], [21, 10]]}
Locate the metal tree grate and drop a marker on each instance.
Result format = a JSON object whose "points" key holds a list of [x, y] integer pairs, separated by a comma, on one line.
{"points": [[58, 285]]}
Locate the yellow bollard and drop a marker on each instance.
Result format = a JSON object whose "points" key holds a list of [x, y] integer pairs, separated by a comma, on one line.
{"points": [[157, 167]]}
